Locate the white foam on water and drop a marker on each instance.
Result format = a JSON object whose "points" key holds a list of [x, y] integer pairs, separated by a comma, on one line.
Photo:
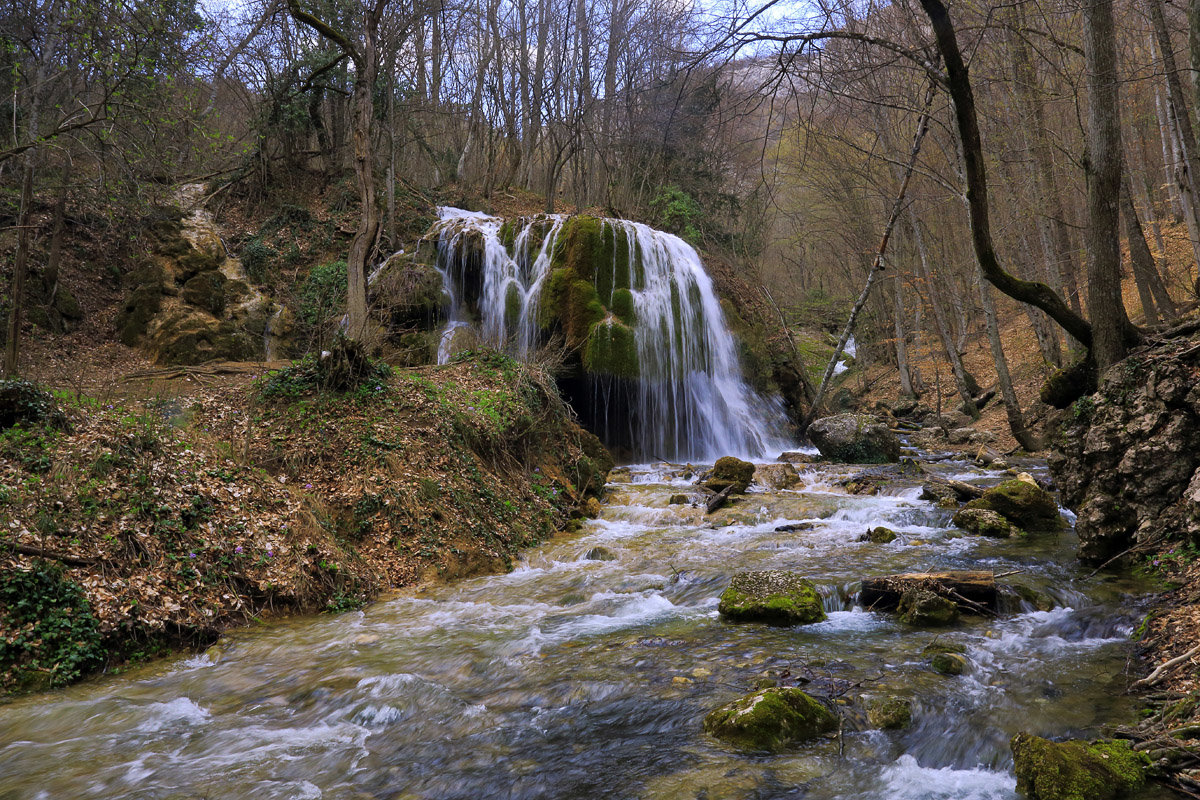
{"points": [[906, 779], [180, 711]]}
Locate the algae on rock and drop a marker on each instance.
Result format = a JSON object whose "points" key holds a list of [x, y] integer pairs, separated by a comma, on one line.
{"points": [[770, 719], [1076, 770], [771, 596]]}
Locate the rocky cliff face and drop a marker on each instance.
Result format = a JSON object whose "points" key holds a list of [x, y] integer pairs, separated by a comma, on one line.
{"points": [[1128, 458]]}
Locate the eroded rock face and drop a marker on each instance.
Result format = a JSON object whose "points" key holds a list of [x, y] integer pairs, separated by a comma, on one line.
{"points": [[1076, 770], [854, 439], [188, 303], [772, 596], [1128, 458], [770, 719]]}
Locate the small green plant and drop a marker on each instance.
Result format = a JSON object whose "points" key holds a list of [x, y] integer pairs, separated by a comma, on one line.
{"points": [[323, 291], [678, 212], [49, 634], [31, 447]]}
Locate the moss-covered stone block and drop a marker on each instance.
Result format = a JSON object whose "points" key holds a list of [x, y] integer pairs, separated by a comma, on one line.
{"points": [[775, 597], [949, 663], [140, 307], [984, 522], [1076, 770], [770, 719], [611, 350], [1023, 503], [882, 535], [926, 608], [730, 471], [622, 306], [889, 713]]}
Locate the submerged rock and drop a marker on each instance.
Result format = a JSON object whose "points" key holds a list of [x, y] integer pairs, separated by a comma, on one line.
{"points": [[949, 663], [770, 719], [927, 608], [889, 713], [771, 596], [1023, 503], [855, 439], [940, 493], [730, 471], [1076, 770], [983, 522], [600, 554], [881, 535], [776, 476]]}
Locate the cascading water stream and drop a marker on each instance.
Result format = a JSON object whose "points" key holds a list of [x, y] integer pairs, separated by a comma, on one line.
{"points": [[687, 398], [586, 672]]}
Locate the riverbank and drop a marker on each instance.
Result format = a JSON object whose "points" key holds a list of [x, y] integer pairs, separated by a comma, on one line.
{"points": [[161, 522]]}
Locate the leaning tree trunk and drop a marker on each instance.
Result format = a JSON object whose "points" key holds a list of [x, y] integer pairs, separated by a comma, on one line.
{"points": [[1012, 407], [1153, 292], [1037, 294]]}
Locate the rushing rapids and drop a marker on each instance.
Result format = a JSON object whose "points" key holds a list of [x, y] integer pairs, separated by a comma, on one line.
{"points": [[660, 372], [586, 672]]}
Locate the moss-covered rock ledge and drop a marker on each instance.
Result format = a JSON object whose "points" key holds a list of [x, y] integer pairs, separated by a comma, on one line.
{"points": [[149, 525]]}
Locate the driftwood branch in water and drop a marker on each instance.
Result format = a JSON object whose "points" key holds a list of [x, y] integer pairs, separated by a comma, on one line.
{"points": [[718, 500], [965, 491], [975, 591]]}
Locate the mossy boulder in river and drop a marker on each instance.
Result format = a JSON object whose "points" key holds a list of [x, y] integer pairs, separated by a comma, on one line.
{"points": [[770, 719], [984, 522], [927, 608], [889, 713], [854, 439], [1076, 770], [730, 471], [1023, 503], [772, 596]]}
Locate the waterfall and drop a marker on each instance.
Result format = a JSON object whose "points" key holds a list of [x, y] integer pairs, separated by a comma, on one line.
{"points": [[671, 386]]}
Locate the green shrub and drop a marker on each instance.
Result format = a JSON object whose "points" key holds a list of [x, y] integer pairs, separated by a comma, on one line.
{"points": [[49, 635], [323, 291]]}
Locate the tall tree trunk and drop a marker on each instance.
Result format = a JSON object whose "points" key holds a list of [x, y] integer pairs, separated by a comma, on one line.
{"points": [[1052, 225], [1104, 184], [939, 312], [1181, 121], [1153, 293], [1012, 407], [12, 345], [906, 384], [877, 266]]}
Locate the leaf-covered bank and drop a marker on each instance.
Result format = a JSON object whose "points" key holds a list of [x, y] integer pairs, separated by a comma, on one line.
{"points": [[156, 524]]}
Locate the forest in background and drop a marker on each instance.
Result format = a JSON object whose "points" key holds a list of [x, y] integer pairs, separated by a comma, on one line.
{"points": [[774, 142]]}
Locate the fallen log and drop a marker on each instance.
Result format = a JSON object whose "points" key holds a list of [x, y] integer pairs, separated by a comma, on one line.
{"points": [[965, 491], [718, 500], [974, 591]]}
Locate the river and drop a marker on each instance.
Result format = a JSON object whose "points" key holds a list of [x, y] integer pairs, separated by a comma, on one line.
{"points": [[579, 677]]}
